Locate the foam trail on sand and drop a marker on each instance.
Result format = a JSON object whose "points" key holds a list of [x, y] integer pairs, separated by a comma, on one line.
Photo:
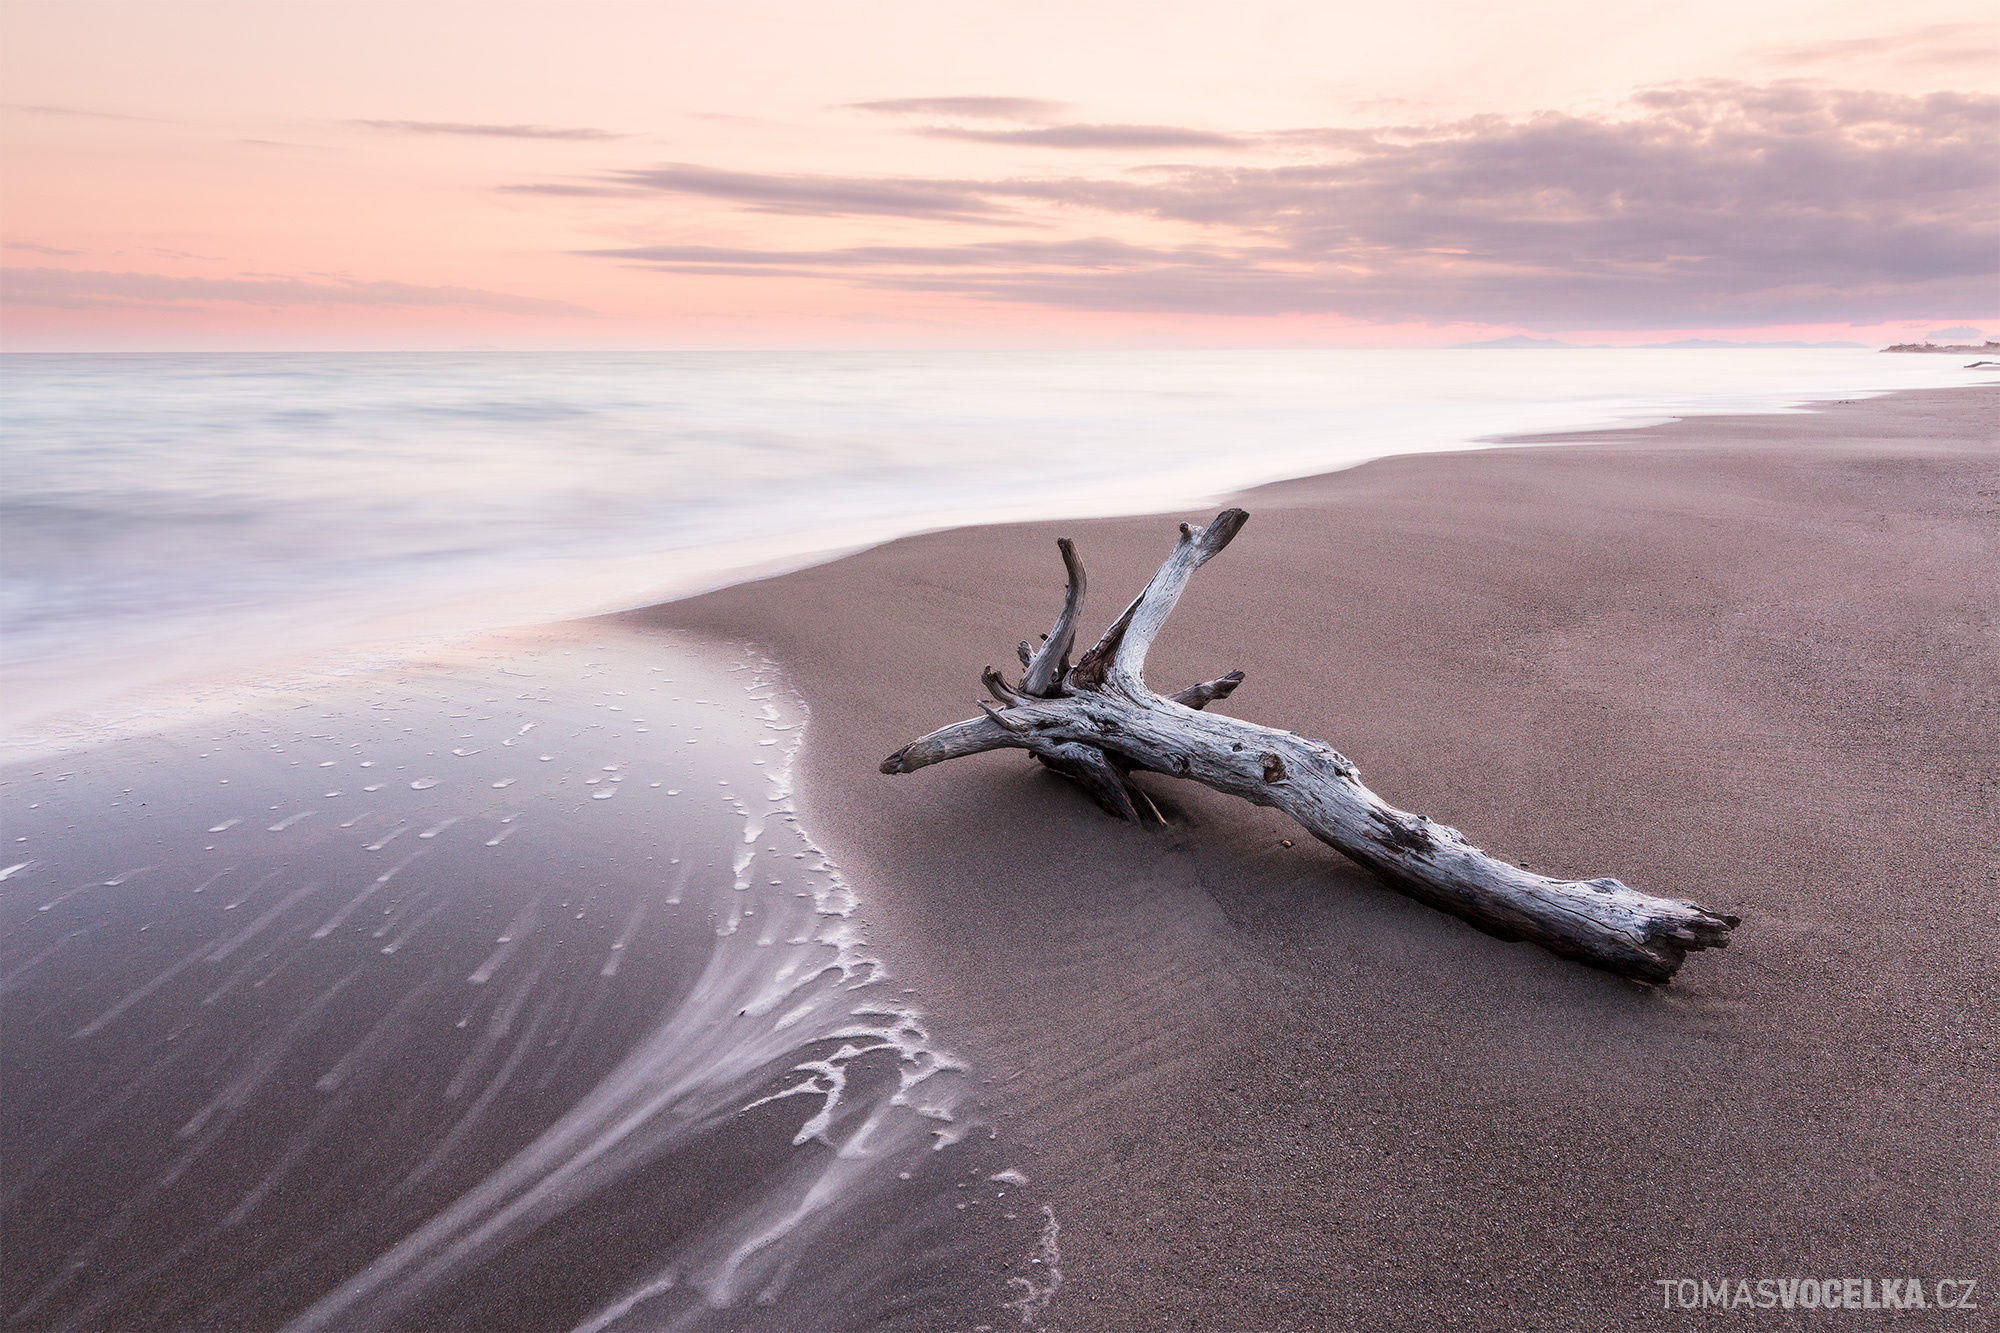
{"points": [[1040, 1288], [251, 931], [368, 891], [814, 1005]]}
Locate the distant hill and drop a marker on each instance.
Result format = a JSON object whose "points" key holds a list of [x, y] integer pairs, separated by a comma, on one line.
{"points": [[1512, 340], [1524, 340], [1989, 347], [1715, 342]]}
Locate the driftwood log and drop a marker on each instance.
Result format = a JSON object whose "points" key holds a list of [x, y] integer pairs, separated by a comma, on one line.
{"points": [[1098, 723]]}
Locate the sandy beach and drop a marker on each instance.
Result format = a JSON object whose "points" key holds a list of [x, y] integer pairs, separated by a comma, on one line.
{"points": [[1747, 660], [509, 522], [561, 984]]}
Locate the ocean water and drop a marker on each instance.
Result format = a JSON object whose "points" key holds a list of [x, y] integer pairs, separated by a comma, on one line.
{"points": [[166, 519]]}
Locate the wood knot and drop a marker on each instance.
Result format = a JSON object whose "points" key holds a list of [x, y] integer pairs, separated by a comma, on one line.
{"points": [[1274, 768], [1409, 834]]}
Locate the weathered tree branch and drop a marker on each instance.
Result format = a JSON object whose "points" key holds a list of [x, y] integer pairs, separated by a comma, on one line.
{"points": [[1206, 693], [1097, 722], [1047, 667]]}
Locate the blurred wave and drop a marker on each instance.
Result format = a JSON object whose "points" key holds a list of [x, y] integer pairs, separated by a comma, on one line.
{"points": [[170, 512]]}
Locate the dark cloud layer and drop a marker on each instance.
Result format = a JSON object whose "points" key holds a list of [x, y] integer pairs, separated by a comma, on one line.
{"points": [[83, 289], [482, 131], [1716, 203]]}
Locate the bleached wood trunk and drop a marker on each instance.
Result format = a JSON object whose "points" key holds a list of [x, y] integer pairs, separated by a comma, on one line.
{"points": [[1097, 722]]}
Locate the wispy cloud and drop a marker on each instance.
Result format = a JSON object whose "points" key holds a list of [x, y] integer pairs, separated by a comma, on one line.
{"points": [[1711, 203], [567, 190], [1938, 45], [37, 248], [285, 145], [1144, 137], [973, 108], [814, 195], [477, 130], [97, 289], [1027, 121], [1089, 253], [78, 112]]}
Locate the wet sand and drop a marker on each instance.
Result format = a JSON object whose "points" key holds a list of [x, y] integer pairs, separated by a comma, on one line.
{"points": [[1746, 660], [507, 992]]}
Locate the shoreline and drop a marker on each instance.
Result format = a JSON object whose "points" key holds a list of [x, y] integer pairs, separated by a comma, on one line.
{"points": [[1742, 659]]}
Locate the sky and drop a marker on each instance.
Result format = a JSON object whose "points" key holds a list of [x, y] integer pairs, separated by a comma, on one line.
{"points": [[239, 174]]}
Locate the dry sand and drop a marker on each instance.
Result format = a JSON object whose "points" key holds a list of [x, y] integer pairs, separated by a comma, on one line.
{"points": [[1749, 660]]}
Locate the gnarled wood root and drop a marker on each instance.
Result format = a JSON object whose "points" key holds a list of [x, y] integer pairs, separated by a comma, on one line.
{"points": [[1097, 723]]}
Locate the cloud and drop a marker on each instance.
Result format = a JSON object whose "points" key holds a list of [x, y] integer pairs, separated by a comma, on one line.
{"points": [[1940, 45], [83, 289], [1714, 203], [286, 145], [1029, 116], [483, 131], [1089, 253], [83, 113], [35, 247], [1963, 333], [813, 195], [1093, 136], [973, 108], [564, 190]]}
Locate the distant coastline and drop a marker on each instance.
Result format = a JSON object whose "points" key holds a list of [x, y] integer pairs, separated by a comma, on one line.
{"points": [[1523, 340], [1989, 348]]}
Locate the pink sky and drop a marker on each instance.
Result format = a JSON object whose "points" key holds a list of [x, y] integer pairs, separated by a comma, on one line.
{"points": [[240, 174]]}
